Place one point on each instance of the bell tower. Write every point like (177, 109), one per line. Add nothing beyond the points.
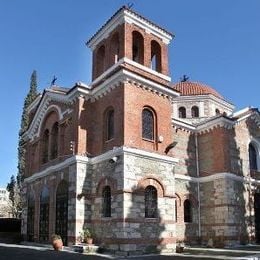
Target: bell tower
(131, 53)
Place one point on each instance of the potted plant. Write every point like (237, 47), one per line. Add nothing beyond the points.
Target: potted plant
(86, 236)
(57, 242)
(179, 246)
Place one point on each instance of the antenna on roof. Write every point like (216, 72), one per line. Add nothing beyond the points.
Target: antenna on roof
(184, 78)
(130, 5)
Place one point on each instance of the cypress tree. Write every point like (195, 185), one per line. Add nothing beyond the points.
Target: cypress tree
(31, 96)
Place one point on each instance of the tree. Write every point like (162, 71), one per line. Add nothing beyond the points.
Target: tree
(14, 205)
(31, 96)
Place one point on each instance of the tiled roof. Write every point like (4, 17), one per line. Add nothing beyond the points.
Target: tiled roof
(124, 7)
(188, 88)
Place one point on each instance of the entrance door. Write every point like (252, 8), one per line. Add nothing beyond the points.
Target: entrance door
(44, 216)
(257, 217)
(30, 223)
(61, 227)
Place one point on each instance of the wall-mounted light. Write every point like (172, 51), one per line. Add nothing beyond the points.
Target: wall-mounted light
(160, 138)
(113, 159)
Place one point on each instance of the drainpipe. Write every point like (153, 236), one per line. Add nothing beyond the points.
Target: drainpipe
(198, 175)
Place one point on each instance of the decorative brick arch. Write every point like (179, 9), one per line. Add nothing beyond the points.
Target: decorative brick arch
(106, 181)
(178, 199)
(190, 197)
(52, 108)
(143, 183)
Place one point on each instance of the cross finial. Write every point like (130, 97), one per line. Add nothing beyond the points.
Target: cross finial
(184, 78)
(130, 5)
(53, 81)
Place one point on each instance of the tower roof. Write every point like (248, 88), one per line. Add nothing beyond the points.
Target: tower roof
(125, 14)
(188, 88)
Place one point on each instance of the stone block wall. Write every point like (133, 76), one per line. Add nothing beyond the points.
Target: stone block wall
(189, 232)
(225, 217)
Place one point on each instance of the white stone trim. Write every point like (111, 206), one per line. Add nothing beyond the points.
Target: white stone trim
(211, 123)
(217, 176)
(206, 97)
(57, 167)
(182, 124)
(201, 109)
(150, 28)
(117, 151)
(106, 72)
(131, 18)
(34, 103)
(146, 154)
(55, 107)
(142, 67)
(124, 75)
(156, 86)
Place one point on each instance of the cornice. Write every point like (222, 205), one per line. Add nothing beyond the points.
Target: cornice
(130, 17)
(205, 97)
(217, 176)
(117, 151)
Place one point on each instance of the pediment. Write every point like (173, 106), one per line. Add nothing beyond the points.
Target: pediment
(49, 102)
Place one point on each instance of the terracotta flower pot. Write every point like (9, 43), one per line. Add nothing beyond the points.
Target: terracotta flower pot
(57, 244)
(89, 241)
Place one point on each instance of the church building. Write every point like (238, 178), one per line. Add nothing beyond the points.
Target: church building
(141, 161)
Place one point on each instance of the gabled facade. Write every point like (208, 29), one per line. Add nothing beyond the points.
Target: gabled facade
(120, 155)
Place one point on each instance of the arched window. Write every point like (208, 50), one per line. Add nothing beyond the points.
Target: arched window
(106, 202)
(61, 222)
(100, 60)
(194, 111)
(44, 215)
(156, 56)
(182, 112)
(30, 217)
(138, 47)
(252, 157)
(176, 211)
(45, 146)
(217, 112)
(109, 124)
(115, 48)
(187, 211)
(150, 199)
(54, 141)
(148, 124)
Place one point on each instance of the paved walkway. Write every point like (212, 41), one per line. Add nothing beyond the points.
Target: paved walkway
(40, 252)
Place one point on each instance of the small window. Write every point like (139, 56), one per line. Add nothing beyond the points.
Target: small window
(114, 49)
(138, 47)
(54, 141)
(252, 157)
(187, 211)
(100, 60)
(150, 202)
(45, 146)
(155, 56)
(194, 112)
(106, 202)
(182, 112)
(109, 124)
(147, 124)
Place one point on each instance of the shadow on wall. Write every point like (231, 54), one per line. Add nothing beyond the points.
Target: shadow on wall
(252, 188)
(126, 222)
(223, 201)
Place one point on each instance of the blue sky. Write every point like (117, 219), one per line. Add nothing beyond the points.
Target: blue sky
(216, 42)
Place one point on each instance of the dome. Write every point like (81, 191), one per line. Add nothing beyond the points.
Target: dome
(187, 88)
